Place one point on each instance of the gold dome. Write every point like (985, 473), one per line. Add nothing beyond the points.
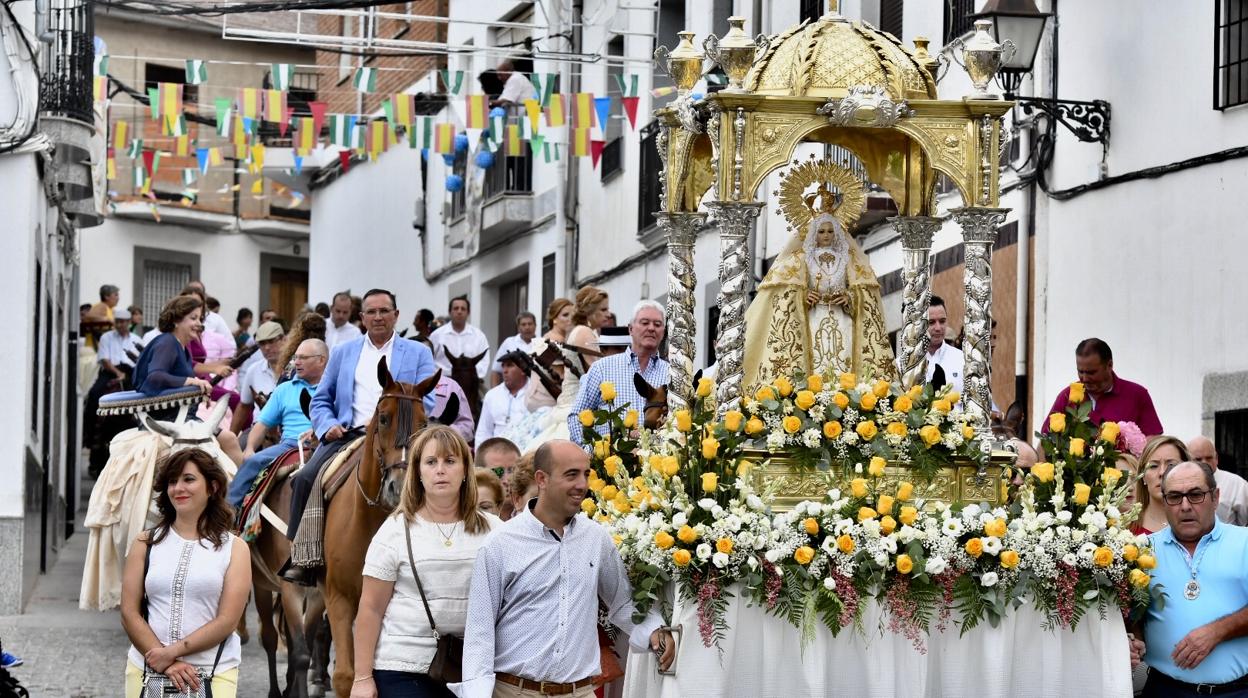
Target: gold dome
(827, 57)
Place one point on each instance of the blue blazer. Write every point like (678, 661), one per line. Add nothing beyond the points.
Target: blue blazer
(410, 362)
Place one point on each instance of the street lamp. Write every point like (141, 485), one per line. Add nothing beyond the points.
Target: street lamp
(1021, 24)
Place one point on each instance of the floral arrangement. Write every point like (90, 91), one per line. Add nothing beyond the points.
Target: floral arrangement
(683, 513)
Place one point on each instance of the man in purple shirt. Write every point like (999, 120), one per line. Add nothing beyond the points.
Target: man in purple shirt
(1113, 399)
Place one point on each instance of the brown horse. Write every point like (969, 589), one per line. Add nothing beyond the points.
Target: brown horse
(464, 372)
(353, 516)
(656, 399)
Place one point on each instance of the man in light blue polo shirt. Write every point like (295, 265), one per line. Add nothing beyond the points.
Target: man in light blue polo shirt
(1198, 643)
(283, 409)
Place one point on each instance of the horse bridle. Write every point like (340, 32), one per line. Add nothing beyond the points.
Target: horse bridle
(406, 424)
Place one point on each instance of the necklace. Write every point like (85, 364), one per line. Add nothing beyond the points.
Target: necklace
(446, 537)
(1191, 591)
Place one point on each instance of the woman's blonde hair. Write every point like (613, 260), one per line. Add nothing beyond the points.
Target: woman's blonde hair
(448, 442)
(486, 478)
(1150, 447)
(588, 300)
(552, 311)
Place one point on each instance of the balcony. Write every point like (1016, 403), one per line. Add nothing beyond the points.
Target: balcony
(508, 202)
(66, 112)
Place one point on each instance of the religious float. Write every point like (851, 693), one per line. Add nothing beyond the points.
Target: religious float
(816, 521)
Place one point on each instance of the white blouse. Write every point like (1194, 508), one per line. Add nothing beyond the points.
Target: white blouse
(184, 583)
(406, 641)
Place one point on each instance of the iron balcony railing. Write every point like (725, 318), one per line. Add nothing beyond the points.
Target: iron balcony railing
(67, 88)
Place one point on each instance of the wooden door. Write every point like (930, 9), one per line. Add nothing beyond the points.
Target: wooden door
(288, 292)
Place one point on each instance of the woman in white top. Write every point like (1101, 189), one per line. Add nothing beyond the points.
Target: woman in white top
(197, 580)
(394, 643)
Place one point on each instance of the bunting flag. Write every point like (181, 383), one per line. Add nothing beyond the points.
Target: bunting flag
(305, 135)
(285, 122)
(318, 115)
(136, 149)
(256, 156)
(498, 126)
(421, 137)
(110, 170)
(153, 102)
(151, 161)
(580, 142)
(628, 89)
(119, 134)
(549, 149)
(188, 176)
(583, 110)
(344, 158)
(182, 146)
(444, 139)
(662, 91)
(99, 65)
(544, 87)
(174, 126)
(225, 108)
(556, 111)
(630, 109)
(536, 143)
(602, 105)
(99, 88)
(196, 71)
(274, 106)
(240, 133)
(214, 157)
(533, 109)
(365, 79)
(458, 83)
(201, 155)
(280, 74)
(298, 163)
(140, 177)
(595, 151)
(475, 110)
(257, 187)
(249, 126)
(341, 129)
(377, 138)
(404, 107)
(242, 153)
(515, 146)
(249, 102)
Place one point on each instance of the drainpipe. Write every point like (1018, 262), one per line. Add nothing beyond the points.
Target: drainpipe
(43, 21)
(1022, 290)
(571, 192)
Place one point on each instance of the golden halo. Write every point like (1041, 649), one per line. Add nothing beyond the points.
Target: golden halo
(795, 182)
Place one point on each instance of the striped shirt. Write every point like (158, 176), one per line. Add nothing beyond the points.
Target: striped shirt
(619, 370)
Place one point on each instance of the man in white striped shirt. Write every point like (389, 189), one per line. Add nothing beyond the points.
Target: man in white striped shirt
(536, 586)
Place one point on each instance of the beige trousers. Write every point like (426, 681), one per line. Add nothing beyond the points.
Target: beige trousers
(506, 690)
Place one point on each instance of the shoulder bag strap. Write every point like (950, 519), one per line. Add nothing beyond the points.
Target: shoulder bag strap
(147, 563)
(407, 532)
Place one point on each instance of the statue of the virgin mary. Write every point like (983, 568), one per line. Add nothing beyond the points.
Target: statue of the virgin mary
(818, 310)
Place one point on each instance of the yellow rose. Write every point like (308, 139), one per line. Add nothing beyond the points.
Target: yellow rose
(639, 482)
(915, 391)
(792, 424)
(732, 420)
(814, 383)
(681, 557)
(804, 555)
(1043, 472)
(765, 393)
(1082, 492)
(841, 400)
(671, 465)
(804, 400)
(1139, 579)
(684, 420)
(1146, 562)
(664, 540)
(887, 525)
(903, 403)
(617, 540)
(847, 381)
(744, 467)
(905, 490)
(1057, 422)
(602, 448)
(930, 435)
(1130, 552)
(1077, 448)
(586, 417)
(630, 419)
(908, 515)
(831, 430)
(724, 545)
(612, 465)
(867, 430)
(904, 564)
(867, 401)
(953, 396)
(996, 527)
(866, 513)
(595, 483)
(1103, 557)
(880, 388)
(897, 429)
(1109, 432)
(968, 432)
(754, 426)
(608, 391)
(942, 406)
(1009, 559)
(845, 544)
(885, 504)
(710, 447)
(858, 487)
(810, 525)
(876, 467)
(974, 547)
(608, 493)
(705, 386)
(710, 482)
(588, 506)
(1110, 476)
(1076, 393)
(621, 503)
(687, 535)
(784, 386)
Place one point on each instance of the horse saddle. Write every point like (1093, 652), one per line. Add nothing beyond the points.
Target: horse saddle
(269, 478)
(341, 467)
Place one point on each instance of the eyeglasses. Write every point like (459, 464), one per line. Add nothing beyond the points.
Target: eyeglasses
(1174, 499)
(305, 357)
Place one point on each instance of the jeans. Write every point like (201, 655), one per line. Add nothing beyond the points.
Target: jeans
(404, 684)
(247, 472)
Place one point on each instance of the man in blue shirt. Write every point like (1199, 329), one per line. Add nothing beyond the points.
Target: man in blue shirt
(646, 331)
(1198, 643)
(282, 410)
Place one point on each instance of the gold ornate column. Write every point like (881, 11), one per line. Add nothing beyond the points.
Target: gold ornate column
(682, 233)
(979, 233)
(735, 220)
(916, 273)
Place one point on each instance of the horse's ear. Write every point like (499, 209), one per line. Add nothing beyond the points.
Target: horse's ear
(449, 413)
(426, 386)
(452, 357)
(697, 377)
(644, 389)
(384, 379)
(305, 402)
(477, 359)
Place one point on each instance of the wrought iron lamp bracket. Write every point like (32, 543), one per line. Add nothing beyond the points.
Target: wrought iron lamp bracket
(1089, 121)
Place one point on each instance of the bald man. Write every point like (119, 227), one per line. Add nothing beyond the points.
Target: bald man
(1233, 506)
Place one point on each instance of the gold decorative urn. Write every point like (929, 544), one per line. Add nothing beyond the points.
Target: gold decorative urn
(683, 64)
(735, 53)
(982, 55)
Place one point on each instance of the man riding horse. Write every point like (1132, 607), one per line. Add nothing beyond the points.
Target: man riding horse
(346, 398)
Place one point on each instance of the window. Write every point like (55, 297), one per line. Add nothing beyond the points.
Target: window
(651, 170)
(891, 12)
(812, 10)
(612, 159)
(548, 283)
(1230, 54)
(1230, 437)
(513, 299)
(516, 37)
(958, 19)
(458, 205)
(159, 275)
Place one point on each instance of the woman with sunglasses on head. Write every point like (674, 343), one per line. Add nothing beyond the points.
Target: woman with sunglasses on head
(1160, 453)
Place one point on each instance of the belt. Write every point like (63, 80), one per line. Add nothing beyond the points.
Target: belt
(1201, 689)
(546, 688)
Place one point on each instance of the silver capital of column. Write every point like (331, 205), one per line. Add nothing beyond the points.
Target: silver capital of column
(682, 232)
(979, 233)
(916, 245)
(735, 220)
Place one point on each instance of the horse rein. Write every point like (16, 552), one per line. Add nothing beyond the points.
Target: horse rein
(399, 441)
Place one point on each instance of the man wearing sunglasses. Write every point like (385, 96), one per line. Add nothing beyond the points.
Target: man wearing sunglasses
(1197, 641)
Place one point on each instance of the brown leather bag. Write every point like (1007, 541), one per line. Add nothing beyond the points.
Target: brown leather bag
(448, 660)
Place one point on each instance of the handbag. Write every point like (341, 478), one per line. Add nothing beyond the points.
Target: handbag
(156, 684)
(447, 665)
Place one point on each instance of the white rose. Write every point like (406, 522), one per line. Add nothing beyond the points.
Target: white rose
(707, 503)
(889, 544)
(772, 555)
(858, 468)
(935, 565)
(881, 559)
(704, 551)
(1078, 535)
(834, 494)
(679, 519)
(906, 534)
(1070, 559)
(1063, 516)
(720, 560)
(829, 583)
(871, 527)
(755, 502)
(988, 579)
(753, 562)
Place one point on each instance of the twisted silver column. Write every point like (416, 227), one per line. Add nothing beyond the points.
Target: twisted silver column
(979, 232)
(916, 273)
(682, 232)
(735, 220)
